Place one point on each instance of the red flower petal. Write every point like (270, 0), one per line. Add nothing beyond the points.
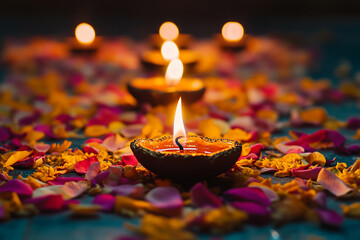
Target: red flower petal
(129, 160)
(84, 165)
(47, 203)
(63, 180)
(332, 183)
(106, 201)
(165, 198)
(248, 194)
(17, 186)
(202, 197)
(306, 174)
(256, 148)
(93, 171)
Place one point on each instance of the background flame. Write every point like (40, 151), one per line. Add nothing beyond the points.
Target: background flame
(179, 128)
(174, 72)
(85, 33)
(232, 31)
(168, 31)
(169, 50)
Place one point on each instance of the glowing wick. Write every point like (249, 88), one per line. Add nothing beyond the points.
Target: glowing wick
(168, 31)
(169, 50)
(174, 72)
(85, 33)
(232, 31)
(179, 128)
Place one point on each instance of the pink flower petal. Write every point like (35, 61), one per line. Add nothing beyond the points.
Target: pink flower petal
(332, 183)
(256, 148)
(165, 198)
(96, 140)
(307, 173)
(106, 201)
(130, 190)
(258, 214)
(17, 186)
(129, 160)
(269, 193)
(131, 131)
(93, 171)
(250, 156)
(63, 180)
(68, 191)
(114, 177)
(42, 147)
(330, 217)
(47, 203)
(202, 197)
(84, 165)
(248, 194)
(100, 178)
(114, 143)
(320, 199)
(286, 149)
(89, 150)
(268, 170)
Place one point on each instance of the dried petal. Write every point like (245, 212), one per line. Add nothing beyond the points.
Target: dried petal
(135, 191)
(63, 180)
(129, 160)
(114, 142)
(245, 194)
(332, 183)
(307, 174)
(93, 171)
(84, 165)
(202, 197)
(165, 198)
(68, 191)
(47, 203)
(106, 201)
(330, 217)
(17, 186)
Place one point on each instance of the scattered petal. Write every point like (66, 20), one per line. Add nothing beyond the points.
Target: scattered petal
(307, 173)
(17, 186)
(106, 201)
(94, 170)
(332, 183)
(84, 165)
(202, 197)
(165, 198)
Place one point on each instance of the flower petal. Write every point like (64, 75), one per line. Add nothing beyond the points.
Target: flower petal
(332, 183)
(129, 190)
(17, 186)
(165, 198)
(258, 214)
(63, 180)
(330, 217)
(202, 197)
(114, 142)
(47, 203)
(129, 160)
(93, 171)
(84, 165)
(307, 174)
(106, 201)
(286, 149)
(42, 147)
(68, 191)
(269, 193)
(16, 156)
(248, 194)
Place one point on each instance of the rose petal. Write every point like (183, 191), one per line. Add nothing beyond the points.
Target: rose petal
(247, 194)
(202, 197)
(129, 190)
(106, 201)
(269, 193)
(114, 177)
(4, 134)
(114, 143)
(268, 170)
(17, 156)
(256, 148)
(93, 171)
(17, 186)
(42, 147)
(131, 131)
(330, 217)
(129, 160)
(320, 199)
(63, 180)
(100, 178)
(286, 149)
(165, 198)
(47, 203)
(258, 214)
(84, 165)
(3, 178)
(353, 123)
(68, 191)
(332, 183)
(307, 174)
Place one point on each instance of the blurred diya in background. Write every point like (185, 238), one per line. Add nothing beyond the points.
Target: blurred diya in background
(156, 60)
(232, 37)
(168, 31)
(186, 158)
(85, 40)
(168, 89)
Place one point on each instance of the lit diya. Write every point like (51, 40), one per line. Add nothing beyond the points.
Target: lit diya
(168, 31)
(85, 40)
(186, 158)
(161, 91)
(232, 37)
(155, 60)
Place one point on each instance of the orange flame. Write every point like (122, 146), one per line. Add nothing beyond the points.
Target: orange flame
(85, 33)
(179, 128)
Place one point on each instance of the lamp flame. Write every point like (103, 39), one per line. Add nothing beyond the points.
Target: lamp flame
(179, 128)
(169, 50)
(85, 33)
(232, 31)
(174, 72)
(168, 31)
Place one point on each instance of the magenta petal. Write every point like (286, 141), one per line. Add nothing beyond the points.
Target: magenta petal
(258, 214)
(335, 137)
(84, 165)
(3, 178)
(332, 183)
(17, 186)
(99, 179)
(320, 199)
(89, 150)
(93, 171)
(202, 197)
(165, 198)
(4, 134)
(129, 160)
(250, 156)
(2, 213)
(247, 194)
(135, 191)
(106, 201)
(269, 193)
(306, 174)
(63, 180)
(256, 148)
(353, 123)
(114, 177)
(47, 203)
(330, 217)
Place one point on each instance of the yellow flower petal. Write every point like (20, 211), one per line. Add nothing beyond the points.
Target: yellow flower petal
(17, 156)
(96, 130)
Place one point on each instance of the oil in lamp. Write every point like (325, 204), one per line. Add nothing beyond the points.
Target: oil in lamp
(168, 31)
(168, 89)
(232, 37)
(155, 60)
(186, 158)
(85, 40)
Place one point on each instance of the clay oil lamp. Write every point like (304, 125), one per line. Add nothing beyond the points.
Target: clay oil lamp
(85, 40)
(168, 31)
(155, 60)
(185, 158)
(164, 90)
(232, 37)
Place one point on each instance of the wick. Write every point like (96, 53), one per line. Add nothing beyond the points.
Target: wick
(177, 143)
